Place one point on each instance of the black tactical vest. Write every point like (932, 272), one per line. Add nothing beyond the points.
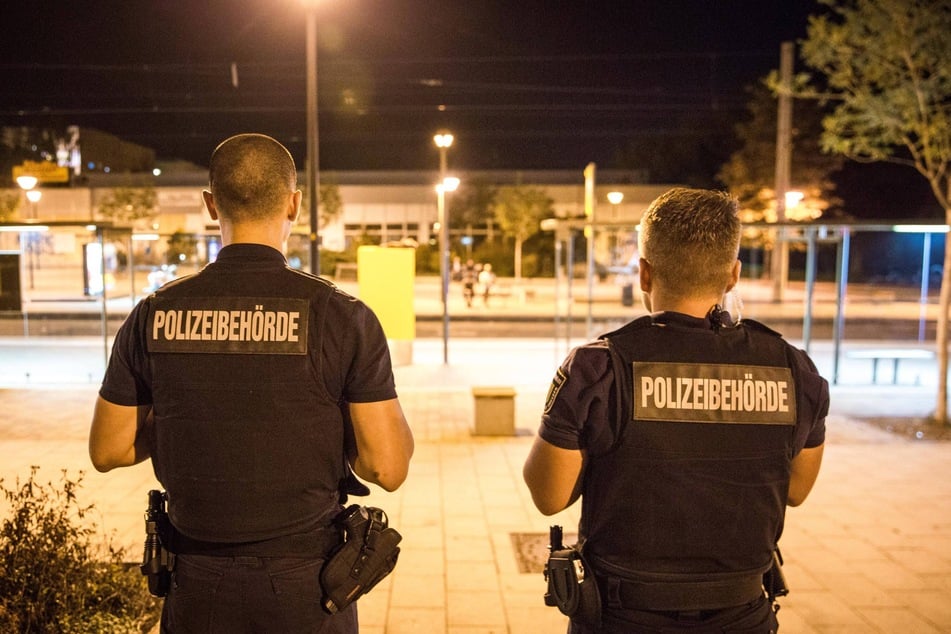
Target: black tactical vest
(249, 443)
(694, 488)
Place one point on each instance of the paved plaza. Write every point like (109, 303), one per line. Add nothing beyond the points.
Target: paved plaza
(870, 550)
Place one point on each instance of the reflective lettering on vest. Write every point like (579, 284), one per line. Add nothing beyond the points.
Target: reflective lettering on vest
(229, 325)
(713, 393)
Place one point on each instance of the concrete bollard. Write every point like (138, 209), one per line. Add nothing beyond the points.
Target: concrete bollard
(494, 411)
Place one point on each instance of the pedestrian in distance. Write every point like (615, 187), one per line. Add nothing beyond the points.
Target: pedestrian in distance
(470, 275)
(257, 391)
(686, 433)
(486, 281)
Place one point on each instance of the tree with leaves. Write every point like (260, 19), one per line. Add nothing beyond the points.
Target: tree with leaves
(9, 203)
(472, 204)
(329, 202)
(750, 174)
(126, 205)
(519, 209)
(883, 64)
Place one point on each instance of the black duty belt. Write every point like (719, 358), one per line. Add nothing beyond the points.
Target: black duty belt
(709, 594)
(308, 545)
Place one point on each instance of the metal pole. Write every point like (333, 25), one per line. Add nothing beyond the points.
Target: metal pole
(810, 286)
(101, 235)
(589, 210)
(444, 267)
(130, 263)
(313, 160)
(783, 158)
(925, 281)
(842, 283)
(569, 269)
(443, 251)
(557, 293)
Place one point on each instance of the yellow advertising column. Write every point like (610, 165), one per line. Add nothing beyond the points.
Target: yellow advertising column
(386, 278)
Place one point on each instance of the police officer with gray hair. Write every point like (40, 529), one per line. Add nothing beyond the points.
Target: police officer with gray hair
(686, 433)
(257, 391)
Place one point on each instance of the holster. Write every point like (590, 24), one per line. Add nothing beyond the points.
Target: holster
(368, 554)
(774, 581)
(572, 587)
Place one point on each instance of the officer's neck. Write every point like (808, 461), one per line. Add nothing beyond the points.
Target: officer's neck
(693, 306)
(267, 233)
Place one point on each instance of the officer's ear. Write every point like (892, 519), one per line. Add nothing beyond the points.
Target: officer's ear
(294, 212)
(734, 275)
(644, 274)
(210, 204)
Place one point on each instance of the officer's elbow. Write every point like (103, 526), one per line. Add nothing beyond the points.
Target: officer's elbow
(547, 508)
(389, 475)
(102, 463)
(795, 499)
(546, 502)
(387, 480)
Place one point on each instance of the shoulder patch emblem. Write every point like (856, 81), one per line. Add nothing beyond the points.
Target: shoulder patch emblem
(556, 383)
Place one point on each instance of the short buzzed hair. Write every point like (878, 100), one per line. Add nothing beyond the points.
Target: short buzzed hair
(691, 238)
(250, 177)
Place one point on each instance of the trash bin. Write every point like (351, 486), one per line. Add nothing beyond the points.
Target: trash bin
(494, 411)
(627, 295)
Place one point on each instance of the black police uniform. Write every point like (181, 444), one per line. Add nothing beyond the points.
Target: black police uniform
(249, 365)
(689, 427)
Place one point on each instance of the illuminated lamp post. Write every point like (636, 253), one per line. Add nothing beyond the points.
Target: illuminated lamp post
(443, 141)
(28, 183)
(313, 159)
(448, 184)
(615, 199)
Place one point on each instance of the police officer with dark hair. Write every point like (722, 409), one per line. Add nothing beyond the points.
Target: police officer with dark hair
(255, 389)
(686, 433)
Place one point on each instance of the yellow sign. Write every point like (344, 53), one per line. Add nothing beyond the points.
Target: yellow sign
(44, 171)
(386, 277)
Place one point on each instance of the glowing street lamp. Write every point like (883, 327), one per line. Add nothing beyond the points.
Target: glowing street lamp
(27, 183)
(443, 141)
(615, 199)
(448, 184)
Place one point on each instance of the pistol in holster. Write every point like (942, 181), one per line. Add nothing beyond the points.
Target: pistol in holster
(157, 561)
(774, 581)
(368, 554)
(572, 587)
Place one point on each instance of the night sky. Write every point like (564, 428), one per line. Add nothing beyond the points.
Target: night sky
(531, 84)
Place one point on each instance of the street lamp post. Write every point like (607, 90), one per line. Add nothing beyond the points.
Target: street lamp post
(615, 199)
(443, 141)
(313, 161)
(28, 183)
(448, 184)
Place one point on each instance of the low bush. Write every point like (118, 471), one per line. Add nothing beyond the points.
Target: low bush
(54, 578)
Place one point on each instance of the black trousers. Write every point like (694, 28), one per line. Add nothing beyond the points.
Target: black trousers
(250, 595)
(756, 617)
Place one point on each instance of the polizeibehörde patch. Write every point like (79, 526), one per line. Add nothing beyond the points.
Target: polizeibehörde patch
(230, 325)
(713, 393)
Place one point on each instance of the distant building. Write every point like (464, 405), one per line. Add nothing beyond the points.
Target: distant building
(101, 152)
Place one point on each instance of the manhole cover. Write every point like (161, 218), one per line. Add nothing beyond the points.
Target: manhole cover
(531, 550)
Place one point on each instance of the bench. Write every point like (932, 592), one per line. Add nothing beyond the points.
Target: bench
(889, 354)
(494, 411)
(345, 271)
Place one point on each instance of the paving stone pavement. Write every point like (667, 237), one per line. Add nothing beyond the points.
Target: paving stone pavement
(869, 551)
